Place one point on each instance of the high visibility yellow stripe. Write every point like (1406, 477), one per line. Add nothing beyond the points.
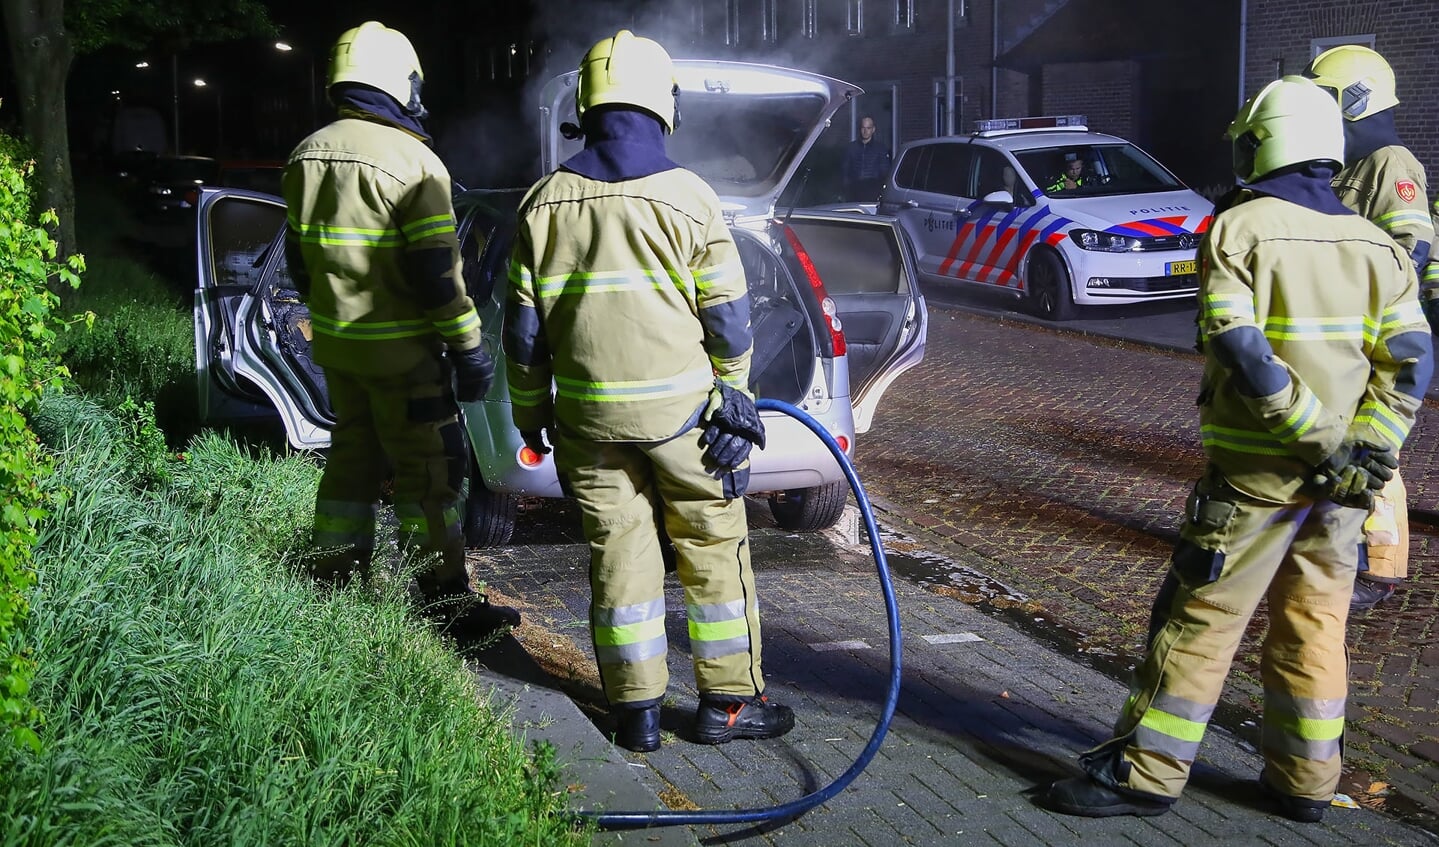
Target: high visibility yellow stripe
(1315, 329)
(460, 324)
(368, 331)
(613, 636)
(706, 278)
(428, 227)
(347, 235)
(1402, 217)
(1305, 415)
(528, 396)
(1431, 271)
(1241, 441)
(1406, 313)
(1218, 306)
(620, 391)
(520, 275)
(718, 630)
(1383, 418)
(608, 282)
(1172, 725)
(1309, 729)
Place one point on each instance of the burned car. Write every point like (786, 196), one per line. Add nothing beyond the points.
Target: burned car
(836, 310)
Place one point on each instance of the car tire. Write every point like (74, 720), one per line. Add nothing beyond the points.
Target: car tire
(809, 509)
(489, 517)
(1049, 294)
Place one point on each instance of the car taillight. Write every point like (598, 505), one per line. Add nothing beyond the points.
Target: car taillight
(529, 458)
(192, 196)
(826, 304)
(843, 443)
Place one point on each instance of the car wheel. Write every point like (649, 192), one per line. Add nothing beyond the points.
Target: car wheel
(809, 509)
(489, 517)
(1049, 294)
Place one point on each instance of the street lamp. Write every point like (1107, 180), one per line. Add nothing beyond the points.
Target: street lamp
(219, 115)
(287, 47)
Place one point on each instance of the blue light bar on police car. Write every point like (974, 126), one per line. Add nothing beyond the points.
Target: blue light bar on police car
(1046, 122)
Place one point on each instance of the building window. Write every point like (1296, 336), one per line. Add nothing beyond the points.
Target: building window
(854, 17)
(769, 21)
(809, 19)
(1319, 45)
(731, 22)
(904, 15)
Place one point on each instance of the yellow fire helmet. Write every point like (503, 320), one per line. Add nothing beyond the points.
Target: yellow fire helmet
(629, 70)
(1357, 77)
(382, 58)
(1291, 120)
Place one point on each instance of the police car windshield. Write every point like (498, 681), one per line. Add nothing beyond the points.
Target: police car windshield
(1095, 170)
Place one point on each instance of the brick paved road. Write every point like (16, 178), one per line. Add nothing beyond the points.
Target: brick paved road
(1064, 460)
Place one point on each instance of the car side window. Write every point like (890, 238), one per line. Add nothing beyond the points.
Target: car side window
(949, 170)
(907, 174)
(995, 173)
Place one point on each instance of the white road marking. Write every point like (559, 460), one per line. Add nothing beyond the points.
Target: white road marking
(951, 638)
(825, 646)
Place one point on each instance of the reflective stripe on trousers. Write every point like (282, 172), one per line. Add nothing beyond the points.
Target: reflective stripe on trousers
(616, 485)
(1302, 558)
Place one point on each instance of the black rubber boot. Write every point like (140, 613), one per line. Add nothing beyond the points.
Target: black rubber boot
(1300, 809)
(1082, 796)
(639, 729)
(1369, 593)
(721, 718)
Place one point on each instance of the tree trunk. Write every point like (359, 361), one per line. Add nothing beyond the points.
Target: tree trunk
(41, 54)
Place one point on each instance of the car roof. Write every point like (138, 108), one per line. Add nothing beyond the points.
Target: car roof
(1030, 139)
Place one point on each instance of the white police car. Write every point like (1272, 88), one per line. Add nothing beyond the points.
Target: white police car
(1047, 210)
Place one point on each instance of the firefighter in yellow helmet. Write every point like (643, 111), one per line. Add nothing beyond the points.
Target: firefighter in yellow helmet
(371, 245)
(1317, 356)
(627, 294)
(1385, 183)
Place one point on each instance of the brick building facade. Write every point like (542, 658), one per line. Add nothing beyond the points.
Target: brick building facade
(1281, 36)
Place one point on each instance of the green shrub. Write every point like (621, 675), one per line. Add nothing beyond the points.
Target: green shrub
(203, 692)
(28, 369)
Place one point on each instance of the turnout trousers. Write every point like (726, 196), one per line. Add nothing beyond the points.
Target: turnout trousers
(408, 421)
(621, 488)
(1233, 552)
(1386, 533)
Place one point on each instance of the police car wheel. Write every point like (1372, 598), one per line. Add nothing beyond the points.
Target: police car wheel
(489, 517)
(809, 509)
(1049, 294)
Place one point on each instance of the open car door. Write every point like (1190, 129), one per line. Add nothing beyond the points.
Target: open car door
(252, 333)
(868, 270)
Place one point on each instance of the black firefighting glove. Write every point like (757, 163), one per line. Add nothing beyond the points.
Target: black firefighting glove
(474, 372)
(1431, 313)
(732, 428)
(535, 440)
(1354, 472)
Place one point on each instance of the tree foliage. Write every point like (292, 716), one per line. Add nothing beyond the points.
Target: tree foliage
(171, 24)
(27, 369)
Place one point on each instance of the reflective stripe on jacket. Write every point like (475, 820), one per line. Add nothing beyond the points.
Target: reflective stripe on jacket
(369, 206)
(1388, 187)
(630, 296)
(1312, 335)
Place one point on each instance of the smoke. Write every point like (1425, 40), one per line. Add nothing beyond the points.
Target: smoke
(496, 145)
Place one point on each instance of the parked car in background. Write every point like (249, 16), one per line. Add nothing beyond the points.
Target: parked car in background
(253, 175)
(172, 186)
(993, 209)
(836, 310)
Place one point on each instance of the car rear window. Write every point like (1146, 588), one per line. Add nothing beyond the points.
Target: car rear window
(853, 258)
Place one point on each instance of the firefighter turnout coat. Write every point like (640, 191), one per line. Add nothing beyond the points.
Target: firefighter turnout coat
(629, 297)
(1313, 337)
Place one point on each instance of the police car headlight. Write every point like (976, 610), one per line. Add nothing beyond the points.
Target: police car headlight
(1104, 242)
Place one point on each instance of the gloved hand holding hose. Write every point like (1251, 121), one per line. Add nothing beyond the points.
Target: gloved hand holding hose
(732, 428)
(1354, 472)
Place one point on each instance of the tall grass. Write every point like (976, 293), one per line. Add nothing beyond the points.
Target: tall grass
(199, 692)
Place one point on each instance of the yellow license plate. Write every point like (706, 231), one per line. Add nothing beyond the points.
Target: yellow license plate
(1188, 266)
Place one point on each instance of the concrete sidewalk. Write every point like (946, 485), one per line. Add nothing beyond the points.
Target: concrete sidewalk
(987, 715)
